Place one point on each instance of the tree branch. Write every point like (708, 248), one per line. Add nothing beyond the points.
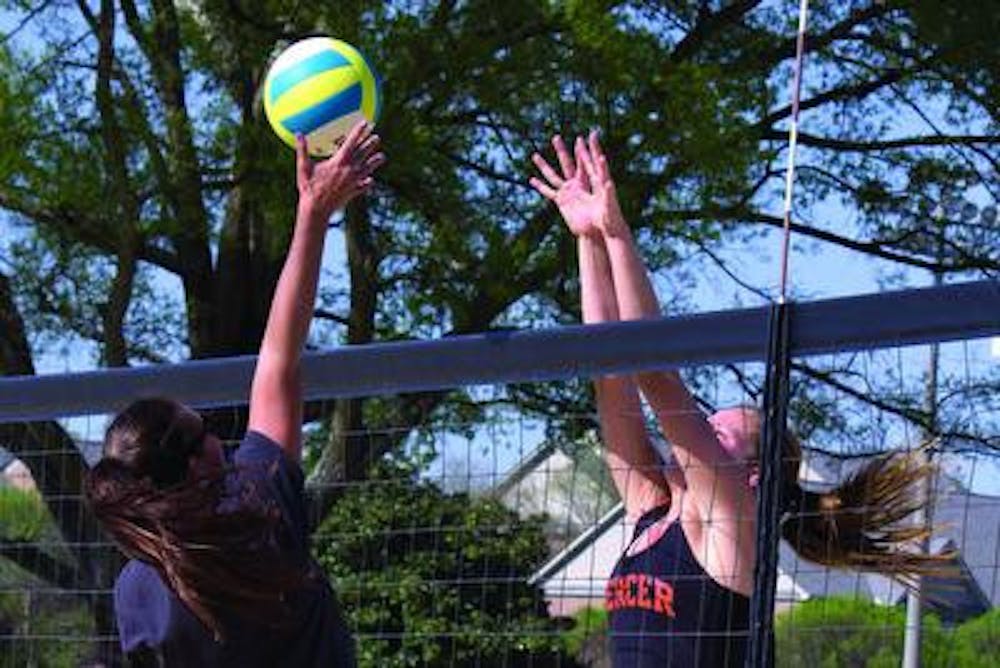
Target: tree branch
(854, 91)
(917, 417)
(785, 48)
(708, 25)
(324, 314)
(868, 247)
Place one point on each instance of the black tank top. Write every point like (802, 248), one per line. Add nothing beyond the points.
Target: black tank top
(665, 610)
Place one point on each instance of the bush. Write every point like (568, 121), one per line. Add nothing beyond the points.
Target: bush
(837, 632)
(43, 631)
(435, 579)
(36, 628)
(841, 631)
(587, 640)
(588, 623)
(23, 515)
(977, 642)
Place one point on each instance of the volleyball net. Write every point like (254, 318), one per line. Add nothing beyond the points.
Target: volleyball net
(462, 506)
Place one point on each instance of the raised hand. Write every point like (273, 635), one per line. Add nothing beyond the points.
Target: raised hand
(570, 191)
(585, 192)
(328, 185)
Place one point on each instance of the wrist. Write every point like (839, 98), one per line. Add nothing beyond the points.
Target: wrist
(309, 213)
(616, 233)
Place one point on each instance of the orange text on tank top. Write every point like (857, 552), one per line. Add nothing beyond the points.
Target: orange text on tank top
(638, 590)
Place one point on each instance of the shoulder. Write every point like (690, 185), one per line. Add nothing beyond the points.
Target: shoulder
(257, 447)
(262, 468)
(257, 451)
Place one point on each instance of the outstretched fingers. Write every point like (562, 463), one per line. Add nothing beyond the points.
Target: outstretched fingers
(363, 173)
(565, 160)
(361, 186)
(361, 156)
(597, 155)
(365, 147)
(543, 190)
(546, 169)
(354, 139)
(364, 158)
(583, 157)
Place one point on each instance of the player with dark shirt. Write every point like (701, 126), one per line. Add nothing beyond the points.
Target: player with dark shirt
(220, 572)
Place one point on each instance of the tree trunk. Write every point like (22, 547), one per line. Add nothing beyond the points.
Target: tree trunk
(248, 266)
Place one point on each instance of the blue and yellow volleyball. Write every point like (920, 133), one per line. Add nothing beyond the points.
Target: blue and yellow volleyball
(320, 87)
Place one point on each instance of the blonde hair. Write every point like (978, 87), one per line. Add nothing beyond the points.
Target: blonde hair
(866, 521)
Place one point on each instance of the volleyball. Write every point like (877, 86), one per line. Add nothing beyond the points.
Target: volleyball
(320, 87)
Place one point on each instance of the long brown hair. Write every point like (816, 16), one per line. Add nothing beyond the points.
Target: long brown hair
(216, 557)
(866, 522)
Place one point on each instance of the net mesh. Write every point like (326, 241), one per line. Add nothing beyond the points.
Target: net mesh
(485, 533)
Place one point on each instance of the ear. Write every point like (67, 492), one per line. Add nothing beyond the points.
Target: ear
(753, 476)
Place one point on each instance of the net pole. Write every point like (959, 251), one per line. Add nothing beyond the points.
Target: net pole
(770, 487)
(760, 645)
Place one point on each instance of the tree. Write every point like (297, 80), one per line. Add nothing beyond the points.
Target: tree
(136, 150)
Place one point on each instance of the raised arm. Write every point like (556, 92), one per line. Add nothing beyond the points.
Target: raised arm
(324, 187)
(634, 465)
(707, 465)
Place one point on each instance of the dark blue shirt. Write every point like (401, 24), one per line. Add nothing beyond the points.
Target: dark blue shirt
(154, 623)
(665, 610)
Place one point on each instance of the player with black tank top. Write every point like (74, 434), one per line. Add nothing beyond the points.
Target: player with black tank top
(666, 606)
(679, 594)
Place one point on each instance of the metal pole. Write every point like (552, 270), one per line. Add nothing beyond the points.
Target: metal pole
(914, 597)
(760, 641)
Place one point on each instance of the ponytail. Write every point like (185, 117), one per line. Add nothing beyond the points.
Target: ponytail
(865, 523)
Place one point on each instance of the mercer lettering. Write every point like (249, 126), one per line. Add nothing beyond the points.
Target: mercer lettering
(639, 590)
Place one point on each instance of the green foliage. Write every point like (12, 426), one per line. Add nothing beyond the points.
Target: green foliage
(37, 628)
(963, 32)
(589, 625)
(435, 579)
(840, 631)
(977, 642)
(23, 515)
(43, 631)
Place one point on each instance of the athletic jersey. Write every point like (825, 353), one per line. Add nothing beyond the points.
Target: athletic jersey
(156, 628)
(665, 610)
